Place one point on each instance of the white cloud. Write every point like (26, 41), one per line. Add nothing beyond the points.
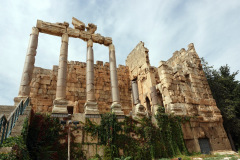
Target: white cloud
(164, 26)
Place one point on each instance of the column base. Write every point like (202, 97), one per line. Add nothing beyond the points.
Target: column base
(140, 111)
(60, 106)
(117, 109)
(91, 108)
(17, 100)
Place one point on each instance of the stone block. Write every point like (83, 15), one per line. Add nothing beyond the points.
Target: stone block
(107, 41)
(51, 28)
(192, 145)
(100, 150)
(187, 133)
(73, 32)
(97, 38)
(84, 35)
(44, 102)
(78, 24)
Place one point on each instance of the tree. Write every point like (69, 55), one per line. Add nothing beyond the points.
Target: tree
(226, 91)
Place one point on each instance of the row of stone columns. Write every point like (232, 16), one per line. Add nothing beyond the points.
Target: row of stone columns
(60, 103)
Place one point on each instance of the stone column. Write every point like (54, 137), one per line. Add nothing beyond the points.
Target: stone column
(24, 90)
(135, 92)
(60, 103)
(116, 106)
(91, 107)
(154, 100)
(139, 109)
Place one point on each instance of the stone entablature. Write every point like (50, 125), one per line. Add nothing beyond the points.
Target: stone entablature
(87, 34)
(58, 29)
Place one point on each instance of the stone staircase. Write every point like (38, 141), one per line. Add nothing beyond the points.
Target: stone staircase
(17, 129)
(6, 109)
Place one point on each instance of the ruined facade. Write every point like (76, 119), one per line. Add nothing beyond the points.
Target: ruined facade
(180, 85)
(136, 89)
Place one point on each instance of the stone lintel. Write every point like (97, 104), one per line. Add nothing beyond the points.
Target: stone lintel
(51, 28)
(58, 29)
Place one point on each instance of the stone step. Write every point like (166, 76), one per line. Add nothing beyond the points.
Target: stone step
(5, 109)
(15, 134)
(17, 129)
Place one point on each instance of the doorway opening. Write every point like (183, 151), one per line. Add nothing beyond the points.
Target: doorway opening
(204, 145)
(148, 105)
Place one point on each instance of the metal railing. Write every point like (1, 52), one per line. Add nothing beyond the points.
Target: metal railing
(7, 123)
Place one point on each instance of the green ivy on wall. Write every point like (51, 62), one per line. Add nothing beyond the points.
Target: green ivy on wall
(140, 139)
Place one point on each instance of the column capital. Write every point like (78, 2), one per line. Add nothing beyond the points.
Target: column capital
(111, 47)
(90, 43)
(65, 37)
(35, 30)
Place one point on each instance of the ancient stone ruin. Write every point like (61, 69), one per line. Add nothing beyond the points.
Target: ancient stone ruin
(137, 89)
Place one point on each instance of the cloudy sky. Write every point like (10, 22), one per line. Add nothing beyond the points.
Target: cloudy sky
(164, 25)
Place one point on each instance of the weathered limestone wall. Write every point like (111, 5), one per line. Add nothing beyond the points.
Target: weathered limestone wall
(185, 91)
(140, 70)
(182, 89)
(43, 87)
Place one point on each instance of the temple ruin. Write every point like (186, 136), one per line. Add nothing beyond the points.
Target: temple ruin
(137, 89)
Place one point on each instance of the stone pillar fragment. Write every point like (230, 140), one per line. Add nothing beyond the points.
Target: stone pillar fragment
(135, 92)
(139, 109)
(154, 99)
(116, 106)
(91, 107)
(24, 90)
(60, 103)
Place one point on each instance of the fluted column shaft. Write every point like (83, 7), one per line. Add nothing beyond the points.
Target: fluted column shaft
(116, 106)
(62, 69)
(60, 103)
(113, 75)
(91, 107)
(90, 73)
(24, 90)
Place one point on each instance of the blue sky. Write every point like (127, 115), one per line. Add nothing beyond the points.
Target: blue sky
(164, 25)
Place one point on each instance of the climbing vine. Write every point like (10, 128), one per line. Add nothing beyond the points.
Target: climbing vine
(140, 139)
